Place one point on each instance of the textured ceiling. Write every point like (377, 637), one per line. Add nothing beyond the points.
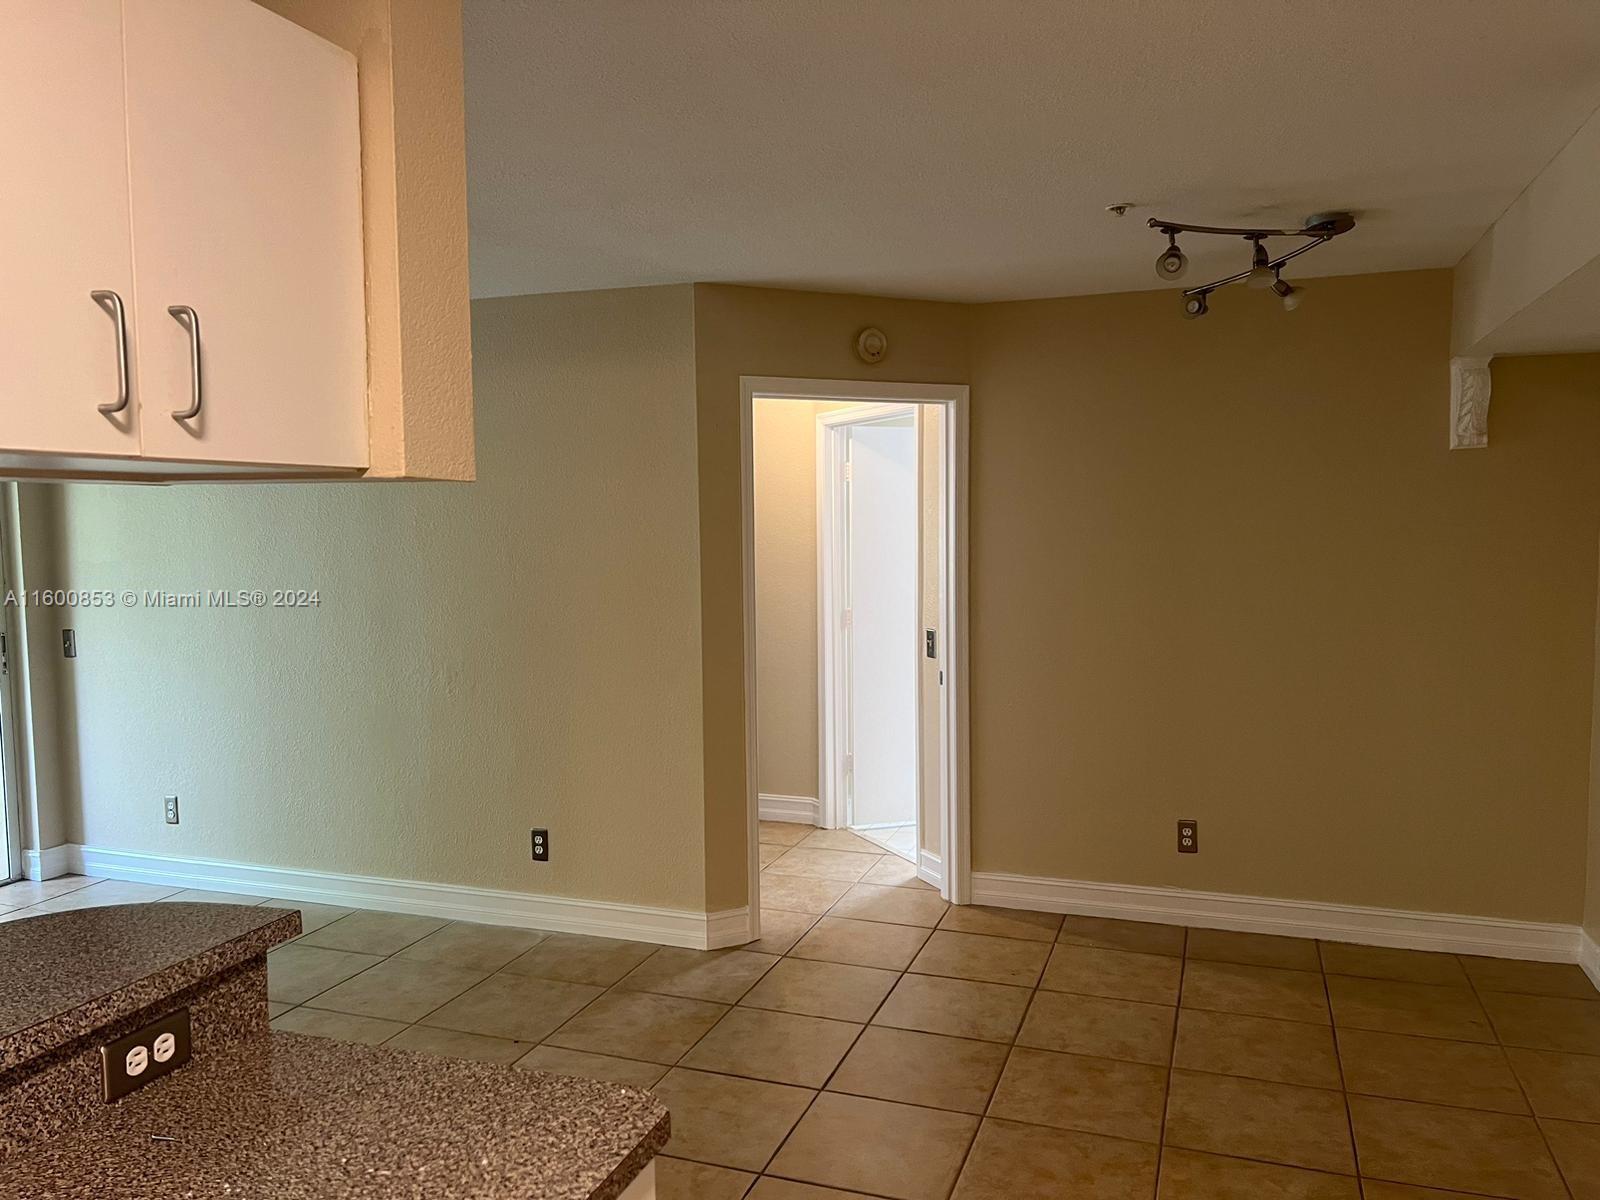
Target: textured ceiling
(966, 149)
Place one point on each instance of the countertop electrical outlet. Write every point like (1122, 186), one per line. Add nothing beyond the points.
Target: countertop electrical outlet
(158, 1049)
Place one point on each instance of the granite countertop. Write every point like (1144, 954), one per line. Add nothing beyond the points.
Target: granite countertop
(66, 974)
(303, 1118)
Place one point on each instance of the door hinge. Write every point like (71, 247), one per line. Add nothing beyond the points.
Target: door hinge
(847, 466)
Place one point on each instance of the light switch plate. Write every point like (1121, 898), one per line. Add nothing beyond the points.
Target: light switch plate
(158, 1049)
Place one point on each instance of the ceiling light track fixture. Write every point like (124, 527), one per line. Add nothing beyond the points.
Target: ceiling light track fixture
(1265, 270)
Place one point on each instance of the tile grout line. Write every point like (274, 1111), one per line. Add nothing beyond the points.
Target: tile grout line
(1172, 1064)
(1338, 1064)
(1533, 1114)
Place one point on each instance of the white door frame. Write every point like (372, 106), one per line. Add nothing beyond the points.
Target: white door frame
(955, 816)
(833, 702)
(11, 836)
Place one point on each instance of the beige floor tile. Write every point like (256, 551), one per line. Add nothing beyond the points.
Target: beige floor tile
(1373, 1189)
(779, 1046)
(1257, 1048)
(822, 989)
(768, 853)
(797, 893)
(276, 1009)
(1104, 1028)
(1565, 1086)
(876, 1146)
(297, 972)
(1383, 962)
(1073, 1091)
(980, 956)
(780, 931)
(1253, 949)
(784, 833)
(1002, 922)
(477, 947)
(201, 896)
(896, 905)
(398, 989)
(862, 943)
(557, 1061)
(1104, 933)
(1190, 1175)
(1422, 1009)
(312, 916)
(1118, 974)
(1019, 1162)
(1255, 991)
(679, 1179)
(1250, 1118)
(517, 1007)
(1429, 1069)
(1533, 978)
(921, 1068)
(373, 932)
(452, 1043)
(1545, 1022)
(823, 864)
(342, 1027)
(990, 1012)
(99, 893)
(25, 892)
(893, 871)
(577, 958)
(840, 839)
(721, 975)
(1577, 1150)
(728, 1121)
(639, 1025)
(768, 1188)
(1456, 1148)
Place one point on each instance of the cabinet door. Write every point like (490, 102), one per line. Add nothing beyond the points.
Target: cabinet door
(244, 163)
(63, 228)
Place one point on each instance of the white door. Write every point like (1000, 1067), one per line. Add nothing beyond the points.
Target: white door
(881, 521)
(63, 228)
(245, 166)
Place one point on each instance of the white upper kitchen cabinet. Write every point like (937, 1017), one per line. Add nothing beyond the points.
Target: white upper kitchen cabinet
(65, 355)
(244, 166)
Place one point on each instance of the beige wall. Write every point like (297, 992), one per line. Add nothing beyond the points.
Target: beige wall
(475, 666)
(1227, 569)
(784, 445)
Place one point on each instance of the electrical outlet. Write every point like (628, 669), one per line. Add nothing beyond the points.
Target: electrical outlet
(1188, 836)
(541, 845)
(158, 1049)
(171, 810)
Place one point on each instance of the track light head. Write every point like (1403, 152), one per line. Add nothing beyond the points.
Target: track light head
(1196, 306)
(1173, 263)
(1261, 272)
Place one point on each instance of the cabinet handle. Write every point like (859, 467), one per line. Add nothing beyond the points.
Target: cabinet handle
(121, 402)
(190, 320)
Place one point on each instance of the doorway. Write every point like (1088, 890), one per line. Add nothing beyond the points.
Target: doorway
(869, 545)
(856, 708)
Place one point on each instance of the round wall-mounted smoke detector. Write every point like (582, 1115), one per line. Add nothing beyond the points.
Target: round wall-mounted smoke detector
(872, 344)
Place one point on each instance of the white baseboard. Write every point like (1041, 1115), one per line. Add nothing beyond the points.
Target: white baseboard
(1589, 957)
(49, 863)
(1294, 918)
(930, 868)
(664, 926)
(801, 810)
